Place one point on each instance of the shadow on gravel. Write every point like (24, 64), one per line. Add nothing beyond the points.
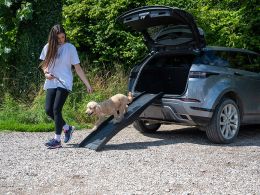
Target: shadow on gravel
(248, 136)
(71, 146)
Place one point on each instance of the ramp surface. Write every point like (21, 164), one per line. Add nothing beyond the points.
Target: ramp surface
(98, 138)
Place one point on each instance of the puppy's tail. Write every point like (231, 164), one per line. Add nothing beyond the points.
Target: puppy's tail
(130, 97)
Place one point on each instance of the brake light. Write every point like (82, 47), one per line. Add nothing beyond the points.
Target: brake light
(201, 74)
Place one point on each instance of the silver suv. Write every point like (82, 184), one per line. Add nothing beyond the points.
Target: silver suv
(214, 88)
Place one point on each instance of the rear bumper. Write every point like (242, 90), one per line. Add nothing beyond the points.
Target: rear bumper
(177, 111)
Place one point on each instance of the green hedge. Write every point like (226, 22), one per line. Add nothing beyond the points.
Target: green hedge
(91, 26)
(230, 23)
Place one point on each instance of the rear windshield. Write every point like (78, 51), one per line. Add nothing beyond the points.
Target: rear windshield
(170, 34)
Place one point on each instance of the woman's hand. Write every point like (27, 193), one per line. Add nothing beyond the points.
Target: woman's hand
(48, 76)
(83, 77)
(89, 89)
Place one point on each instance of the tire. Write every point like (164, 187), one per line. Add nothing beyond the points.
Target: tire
(146, 126)
(224, 125)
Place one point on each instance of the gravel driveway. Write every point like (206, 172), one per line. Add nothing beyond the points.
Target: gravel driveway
(176, 160)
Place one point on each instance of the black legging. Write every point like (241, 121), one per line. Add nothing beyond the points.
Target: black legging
(55, 99)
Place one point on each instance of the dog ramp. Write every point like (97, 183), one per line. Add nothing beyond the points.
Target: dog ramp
(108, 129)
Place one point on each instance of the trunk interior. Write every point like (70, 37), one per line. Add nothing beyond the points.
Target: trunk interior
(165, 73)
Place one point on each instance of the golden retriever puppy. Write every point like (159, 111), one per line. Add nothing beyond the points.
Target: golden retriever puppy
(115, 105)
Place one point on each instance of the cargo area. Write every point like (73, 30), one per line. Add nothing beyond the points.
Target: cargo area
(165, 73)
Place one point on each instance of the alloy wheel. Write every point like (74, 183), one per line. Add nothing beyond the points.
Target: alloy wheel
(229, 121)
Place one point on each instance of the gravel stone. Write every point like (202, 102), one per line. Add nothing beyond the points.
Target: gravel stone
(175, 160)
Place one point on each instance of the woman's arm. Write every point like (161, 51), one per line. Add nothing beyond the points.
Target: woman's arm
(83, 77)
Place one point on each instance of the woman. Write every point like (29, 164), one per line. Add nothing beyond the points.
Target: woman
(58, 58)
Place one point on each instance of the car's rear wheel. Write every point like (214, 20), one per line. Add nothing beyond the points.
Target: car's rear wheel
(224, 125)
(145, 126)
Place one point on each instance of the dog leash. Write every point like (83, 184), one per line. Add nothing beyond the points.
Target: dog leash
(61, 82)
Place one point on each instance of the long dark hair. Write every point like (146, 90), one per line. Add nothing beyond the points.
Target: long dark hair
(52, 45)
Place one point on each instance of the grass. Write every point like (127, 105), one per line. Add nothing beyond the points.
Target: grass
(16, 126)
(40, 127)
(16, 115)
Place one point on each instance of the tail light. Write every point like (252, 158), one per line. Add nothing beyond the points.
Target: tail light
(201, 74)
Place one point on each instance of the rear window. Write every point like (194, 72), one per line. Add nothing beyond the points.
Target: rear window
(239, 60)
(255, 62)
(170, 34)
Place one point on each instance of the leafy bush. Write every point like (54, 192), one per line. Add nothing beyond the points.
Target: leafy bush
(230, 23)
(91, 26)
